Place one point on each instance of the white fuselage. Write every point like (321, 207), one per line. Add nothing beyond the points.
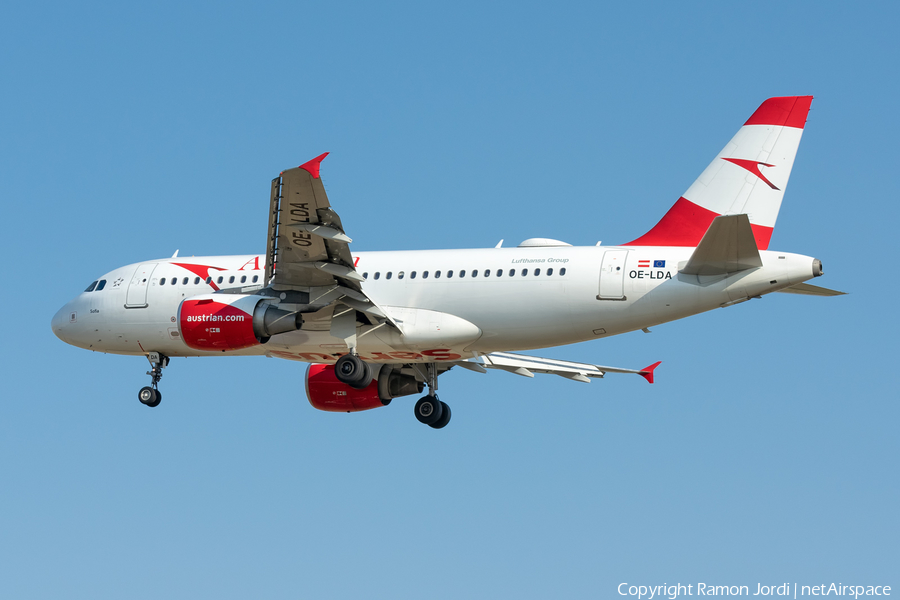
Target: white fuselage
(507, 299)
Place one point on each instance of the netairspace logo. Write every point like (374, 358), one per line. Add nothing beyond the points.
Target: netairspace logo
(649, 592)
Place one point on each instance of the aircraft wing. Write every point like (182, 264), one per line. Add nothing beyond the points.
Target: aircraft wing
(527, 366)
(307, 246)
(308, 251)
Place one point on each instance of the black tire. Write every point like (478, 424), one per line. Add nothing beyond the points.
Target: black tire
(353, 371)
(429, 410)
(149, 396)
(445, 417)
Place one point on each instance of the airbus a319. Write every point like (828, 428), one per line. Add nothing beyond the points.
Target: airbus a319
(375, 326)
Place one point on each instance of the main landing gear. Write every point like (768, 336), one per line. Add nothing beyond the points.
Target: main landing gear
(150, 395)
(353, 371)
(429, 410)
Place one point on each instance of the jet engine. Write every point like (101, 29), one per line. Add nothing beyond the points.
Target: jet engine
(325, 392)
(232, 321)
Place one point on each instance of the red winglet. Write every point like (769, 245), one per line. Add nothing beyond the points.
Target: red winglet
(647, 372)
(312, 167)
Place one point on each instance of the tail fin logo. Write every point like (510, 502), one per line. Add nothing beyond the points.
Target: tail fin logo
(753, 167)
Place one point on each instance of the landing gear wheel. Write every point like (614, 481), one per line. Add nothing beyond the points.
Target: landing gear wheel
(429, 410)
(353, 371)
(445, 417)
(149, 396)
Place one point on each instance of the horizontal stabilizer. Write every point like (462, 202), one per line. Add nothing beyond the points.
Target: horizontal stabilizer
(810, 290)
(728, 246)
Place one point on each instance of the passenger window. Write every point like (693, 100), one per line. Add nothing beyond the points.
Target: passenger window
(231, 279)
(184, 281)
(412, 275)
(537, 272)
(562, 271)
(462, 273)
(474, 272)
(487, 272)
(196, 281)
(377, 275)
(101, 285)
(424, 274)
(512, 272)
(524, 272)
(388, 276)
(365, 276)
(91, 287)
(219, 280)
(549, 271)
(255, 278)
(449, 274)
(208, 280)
(243, 279)
(400, 275)
(499, 272)
(437, 274)
(162, 281)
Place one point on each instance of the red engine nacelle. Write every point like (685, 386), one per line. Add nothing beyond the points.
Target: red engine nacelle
(231, 321)
(325, 392)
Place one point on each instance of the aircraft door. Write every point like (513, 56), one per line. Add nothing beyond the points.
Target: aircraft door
(612, 275)
(136, 296)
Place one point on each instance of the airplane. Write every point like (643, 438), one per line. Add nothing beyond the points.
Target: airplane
(374, 326)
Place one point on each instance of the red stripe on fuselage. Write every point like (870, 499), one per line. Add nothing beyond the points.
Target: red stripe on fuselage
(201, 271)
(788, 111)
(685, 224)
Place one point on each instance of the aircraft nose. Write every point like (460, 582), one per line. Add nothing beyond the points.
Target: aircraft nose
(61, 320)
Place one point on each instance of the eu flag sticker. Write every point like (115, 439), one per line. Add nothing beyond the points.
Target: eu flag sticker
(659, 264)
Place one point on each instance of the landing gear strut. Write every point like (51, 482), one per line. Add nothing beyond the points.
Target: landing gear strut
(429, 410)
(150, 395)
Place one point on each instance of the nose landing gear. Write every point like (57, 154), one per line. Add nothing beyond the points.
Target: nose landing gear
(150, 395)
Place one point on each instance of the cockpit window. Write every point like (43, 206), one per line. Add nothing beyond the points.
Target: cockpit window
(101, 284)
(91, 287)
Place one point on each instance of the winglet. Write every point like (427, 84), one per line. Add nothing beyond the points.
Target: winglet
(647, 372)
(312, 167)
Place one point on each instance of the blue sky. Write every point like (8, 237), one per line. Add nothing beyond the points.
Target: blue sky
(766, 451)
